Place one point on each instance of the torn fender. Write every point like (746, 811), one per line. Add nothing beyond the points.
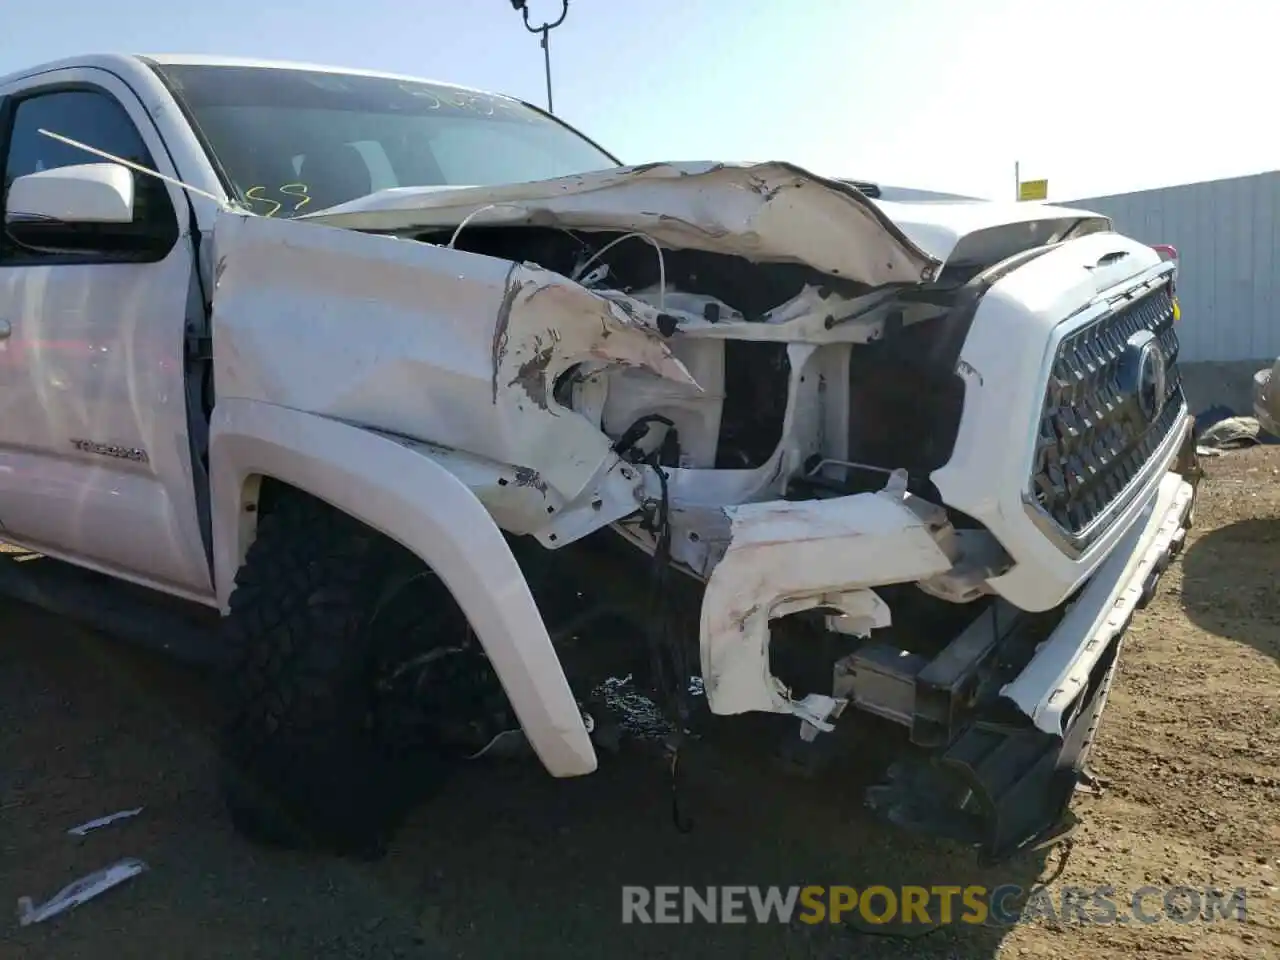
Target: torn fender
(765, 212)
(400, 491)
(422, 341)
(786, 556)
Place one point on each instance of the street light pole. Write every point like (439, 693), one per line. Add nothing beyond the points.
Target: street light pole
(545, 30)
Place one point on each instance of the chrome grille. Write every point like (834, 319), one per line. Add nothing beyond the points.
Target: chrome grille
(1095, 435)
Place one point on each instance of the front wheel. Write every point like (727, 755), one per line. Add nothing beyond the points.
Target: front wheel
(347, 662)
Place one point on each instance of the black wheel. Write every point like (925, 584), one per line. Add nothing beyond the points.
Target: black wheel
(338, 704)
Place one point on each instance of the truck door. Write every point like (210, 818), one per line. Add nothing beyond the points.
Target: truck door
(94, 460)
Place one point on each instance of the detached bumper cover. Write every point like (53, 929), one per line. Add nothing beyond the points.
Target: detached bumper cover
(788, 556)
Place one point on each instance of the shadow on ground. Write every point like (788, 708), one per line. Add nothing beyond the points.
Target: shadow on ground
(1231, 583)
(503, 863)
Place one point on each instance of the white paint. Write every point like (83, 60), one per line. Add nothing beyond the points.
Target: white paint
(446, 346)
(1006, 361)
(398, 489)
(79, 891)
(95, 353)
(802, 319)
(1060, 670)
(174, 147)
(984, 231)
(786, 556)
(84, 193)
(414, 387)
(106, 821)
(765, 212)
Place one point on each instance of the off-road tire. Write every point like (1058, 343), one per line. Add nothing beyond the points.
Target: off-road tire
(301, 766)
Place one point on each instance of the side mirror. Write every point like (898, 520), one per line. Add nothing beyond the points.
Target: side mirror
(84, 193)
(86, 208)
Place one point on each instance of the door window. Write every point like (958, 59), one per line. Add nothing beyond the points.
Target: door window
(96, 119)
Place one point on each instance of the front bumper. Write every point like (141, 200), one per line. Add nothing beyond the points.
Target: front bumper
(1061, 669)
(1266, 399)
(1001, 720)
(1003, 777)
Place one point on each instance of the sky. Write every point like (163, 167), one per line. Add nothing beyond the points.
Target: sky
(1097, 97)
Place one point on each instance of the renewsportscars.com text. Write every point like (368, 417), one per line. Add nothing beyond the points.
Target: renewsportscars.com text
(1003, 905)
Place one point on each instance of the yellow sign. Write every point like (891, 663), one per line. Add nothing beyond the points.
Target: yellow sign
(1033, 190)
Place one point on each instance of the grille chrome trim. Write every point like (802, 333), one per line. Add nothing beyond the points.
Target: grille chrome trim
(1094, 450)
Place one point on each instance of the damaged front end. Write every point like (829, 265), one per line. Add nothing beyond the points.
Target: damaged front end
(864, 470)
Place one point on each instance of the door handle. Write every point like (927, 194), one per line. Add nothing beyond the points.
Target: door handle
(5, 329)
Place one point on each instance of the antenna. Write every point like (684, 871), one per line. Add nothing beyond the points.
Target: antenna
(132, 166)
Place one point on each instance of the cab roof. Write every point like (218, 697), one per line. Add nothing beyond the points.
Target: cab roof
(126, 63)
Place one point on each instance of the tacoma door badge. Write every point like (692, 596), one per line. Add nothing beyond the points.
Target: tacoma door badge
(136, 454)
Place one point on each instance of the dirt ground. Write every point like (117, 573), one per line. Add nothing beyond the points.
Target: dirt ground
(507, 863)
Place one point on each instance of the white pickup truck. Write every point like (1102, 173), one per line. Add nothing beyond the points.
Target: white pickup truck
(450, 416)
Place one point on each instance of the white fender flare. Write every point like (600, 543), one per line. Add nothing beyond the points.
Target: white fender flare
(403, 493)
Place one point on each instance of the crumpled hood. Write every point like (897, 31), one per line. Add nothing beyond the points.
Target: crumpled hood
(765, 212)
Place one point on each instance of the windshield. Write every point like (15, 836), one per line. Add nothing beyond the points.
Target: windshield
(291, 142)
